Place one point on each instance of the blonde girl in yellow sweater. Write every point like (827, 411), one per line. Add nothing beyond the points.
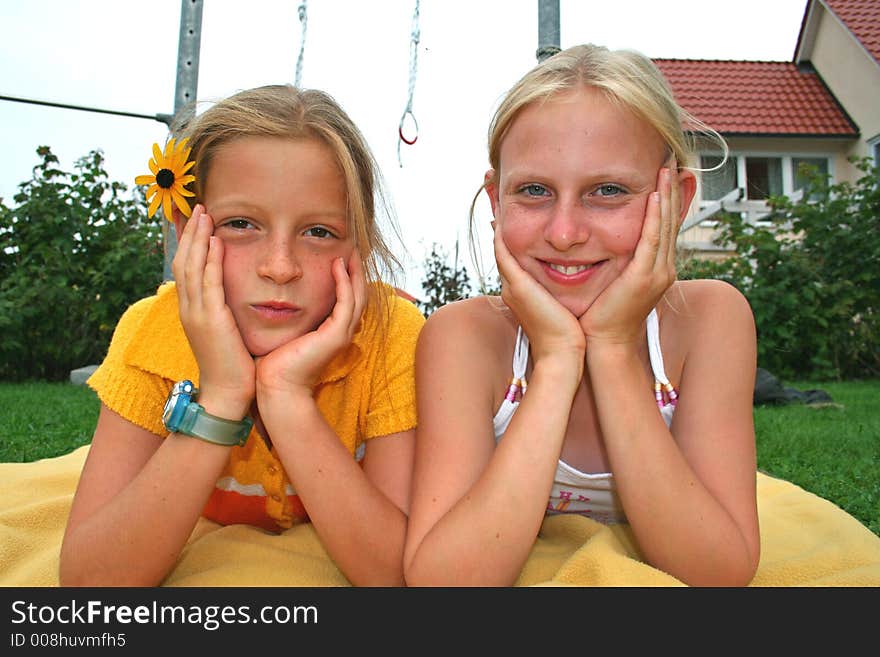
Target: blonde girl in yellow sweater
(271, 383)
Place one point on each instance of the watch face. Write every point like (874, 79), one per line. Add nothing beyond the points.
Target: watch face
(175, 405)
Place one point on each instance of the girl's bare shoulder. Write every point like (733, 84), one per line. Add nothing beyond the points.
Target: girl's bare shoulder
(700, 306)
(479, 327)
(699, 295)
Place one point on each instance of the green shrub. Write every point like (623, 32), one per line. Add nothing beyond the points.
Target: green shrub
(811, 272)
(442, 283)
(74, 253)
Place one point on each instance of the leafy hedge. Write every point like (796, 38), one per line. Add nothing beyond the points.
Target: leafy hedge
(74, 253)
(811, 272)
(442, 283)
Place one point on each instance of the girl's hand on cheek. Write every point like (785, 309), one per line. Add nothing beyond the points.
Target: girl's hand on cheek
(552, 330)
(226, 369)
(618, 313)
(297, 365)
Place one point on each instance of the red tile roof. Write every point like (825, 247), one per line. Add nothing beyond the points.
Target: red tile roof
(756, 98)
(862, 18)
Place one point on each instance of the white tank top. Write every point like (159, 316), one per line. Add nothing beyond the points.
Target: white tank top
(591, 495)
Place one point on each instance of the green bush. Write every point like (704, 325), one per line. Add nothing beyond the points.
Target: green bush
(811, 272)
(74, 253)
(442, 283)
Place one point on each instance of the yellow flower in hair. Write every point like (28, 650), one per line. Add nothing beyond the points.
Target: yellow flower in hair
(167, 183)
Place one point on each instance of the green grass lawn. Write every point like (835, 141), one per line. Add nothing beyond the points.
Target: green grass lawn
(40, 420)
(833, 451)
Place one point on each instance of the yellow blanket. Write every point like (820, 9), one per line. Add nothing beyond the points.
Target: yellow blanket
(805, 541)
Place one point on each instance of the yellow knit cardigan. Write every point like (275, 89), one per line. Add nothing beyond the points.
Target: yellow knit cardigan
(366, 391)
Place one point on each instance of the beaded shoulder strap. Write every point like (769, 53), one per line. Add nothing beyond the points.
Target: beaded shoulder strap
(664, 392)
(518, 383)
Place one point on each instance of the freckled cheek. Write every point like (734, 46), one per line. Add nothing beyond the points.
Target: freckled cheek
(236, 271)
(318, 272)
(627, 238)
(626, 230)
(519, 232)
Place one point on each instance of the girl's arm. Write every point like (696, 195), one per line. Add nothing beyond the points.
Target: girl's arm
(477, 508)
(139, 497)
(136, 504)
(689, 494)
(359, 514)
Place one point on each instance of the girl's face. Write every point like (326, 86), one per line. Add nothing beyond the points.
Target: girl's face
(573, 183)
(279, 206)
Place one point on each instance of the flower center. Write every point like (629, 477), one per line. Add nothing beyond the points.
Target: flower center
(165, 178)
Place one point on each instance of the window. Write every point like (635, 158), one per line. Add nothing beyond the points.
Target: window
(717, 181)
(763, 177)
(799, 177)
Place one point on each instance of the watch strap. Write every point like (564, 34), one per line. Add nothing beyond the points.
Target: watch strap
(199, 423)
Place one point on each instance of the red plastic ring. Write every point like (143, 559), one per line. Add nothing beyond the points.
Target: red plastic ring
(404, 139)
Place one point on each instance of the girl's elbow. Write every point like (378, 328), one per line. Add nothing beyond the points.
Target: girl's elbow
(74, 572)
(392, 580)
(733, 572)
(67, 578)
(418, 573)
(745, 566)
(739, 574)
(385, 572)
(750, 567)
(411, 571)
(73, 575)
(419, 578)
(412, 575)
(70, 573)
(70, 577)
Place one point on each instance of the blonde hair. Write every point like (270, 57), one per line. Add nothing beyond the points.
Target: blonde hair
(286, 112)
(626, 77)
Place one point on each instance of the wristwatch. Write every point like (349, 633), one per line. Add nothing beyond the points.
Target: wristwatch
(183, 415)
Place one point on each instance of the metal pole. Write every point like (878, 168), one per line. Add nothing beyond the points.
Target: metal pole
(548, 29)
(185, 93)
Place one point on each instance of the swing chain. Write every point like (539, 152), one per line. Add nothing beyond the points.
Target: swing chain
(303, 19)
(415, 35)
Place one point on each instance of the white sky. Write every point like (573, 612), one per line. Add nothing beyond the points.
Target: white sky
(122, 55)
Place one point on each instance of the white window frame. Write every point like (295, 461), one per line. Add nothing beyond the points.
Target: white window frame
(787, 174)
(787, 157)
(874, 149)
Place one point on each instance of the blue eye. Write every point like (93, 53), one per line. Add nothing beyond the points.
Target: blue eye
(319, 231)
(609, 190)
(534, 190)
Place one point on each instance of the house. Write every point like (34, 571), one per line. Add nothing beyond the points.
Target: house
(821, 108)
